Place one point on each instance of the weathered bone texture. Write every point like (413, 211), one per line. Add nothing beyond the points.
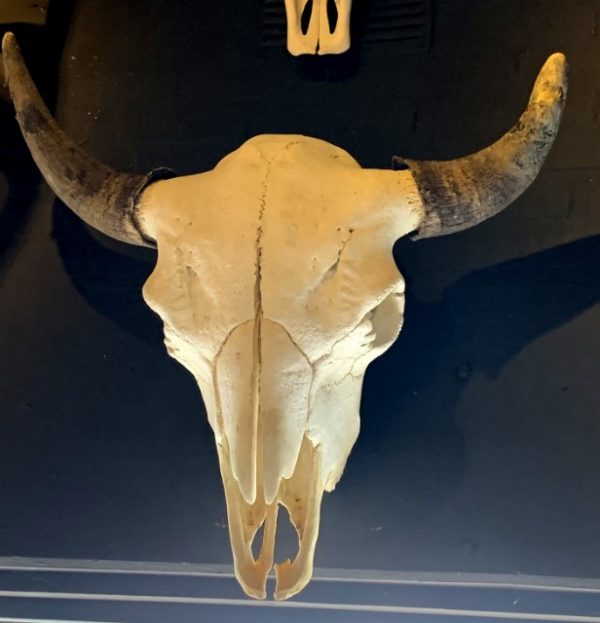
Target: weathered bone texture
(101, 196)
(277, 287)
(277, 317)
(461, 193)
(320, 37)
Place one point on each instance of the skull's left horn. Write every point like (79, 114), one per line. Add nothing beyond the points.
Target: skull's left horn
(104, 198)
(458, 194)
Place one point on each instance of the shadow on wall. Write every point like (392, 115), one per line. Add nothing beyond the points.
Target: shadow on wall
(19, 183)
(480, 324)
(413, 402)
(109, 277)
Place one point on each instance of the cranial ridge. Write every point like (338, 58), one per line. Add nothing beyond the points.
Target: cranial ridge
(277, 287)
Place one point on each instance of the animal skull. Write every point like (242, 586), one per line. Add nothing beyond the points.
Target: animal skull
(321, 36)
(313, 295)
(277, 294)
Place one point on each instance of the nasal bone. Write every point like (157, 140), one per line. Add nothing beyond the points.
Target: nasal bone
(263, 381)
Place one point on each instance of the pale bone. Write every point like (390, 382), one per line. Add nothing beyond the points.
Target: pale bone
(313, 295)
(319, 38)
(276, 284)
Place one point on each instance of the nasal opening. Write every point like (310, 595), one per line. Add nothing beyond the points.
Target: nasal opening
(306, 16)
(332, 15)
(287, 544)
(257, 540)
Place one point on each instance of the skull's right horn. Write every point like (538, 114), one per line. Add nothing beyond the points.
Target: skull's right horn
(104, 198)
(458, 194)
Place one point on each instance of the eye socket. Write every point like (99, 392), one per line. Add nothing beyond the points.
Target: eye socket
(382, 323)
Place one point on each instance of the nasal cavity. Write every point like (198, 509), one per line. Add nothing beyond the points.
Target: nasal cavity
(332, 15)
(257, 541)
(306, 15)
(287, 543)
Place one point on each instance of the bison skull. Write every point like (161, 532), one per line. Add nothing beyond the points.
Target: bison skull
(322, 35)
(277, 287)
(312, 296)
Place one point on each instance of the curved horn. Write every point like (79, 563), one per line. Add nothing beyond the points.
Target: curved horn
(458, 194)
(99, 195)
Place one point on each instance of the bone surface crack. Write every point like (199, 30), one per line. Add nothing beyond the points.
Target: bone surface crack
(258, 319)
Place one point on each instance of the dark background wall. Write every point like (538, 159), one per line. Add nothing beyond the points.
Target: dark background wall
(480, 445)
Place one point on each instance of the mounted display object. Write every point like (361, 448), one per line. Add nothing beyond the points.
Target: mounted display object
(318, 26)
(277, 293)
